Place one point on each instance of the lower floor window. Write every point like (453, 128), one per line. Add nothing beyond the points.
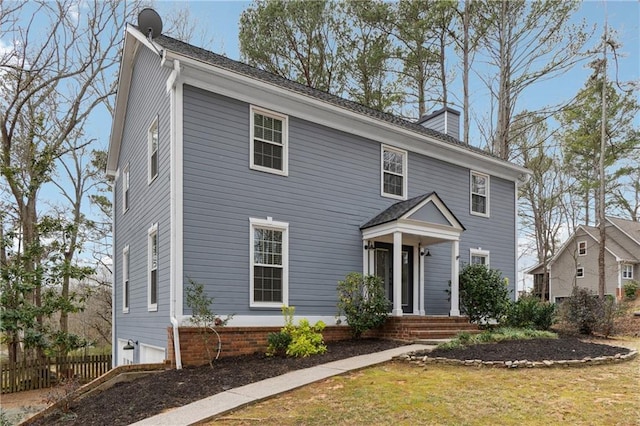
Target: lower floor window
(269, 262)
(479, 257)
(627, 272)
(579, 272)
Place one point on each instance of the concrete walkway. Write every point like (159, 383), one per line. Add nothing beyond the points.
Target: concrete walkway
(229, 400)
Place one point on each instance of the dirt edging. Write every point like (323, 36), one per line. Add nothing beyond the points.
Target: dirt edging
(421, 359)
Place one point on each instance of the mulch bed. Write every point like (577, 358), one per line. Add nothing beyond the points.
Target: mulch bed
(126, 403)
(566, 348)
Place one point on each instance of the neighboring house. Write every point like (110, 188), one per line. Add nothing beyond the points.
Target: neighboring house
(269, 192)
(576, 263)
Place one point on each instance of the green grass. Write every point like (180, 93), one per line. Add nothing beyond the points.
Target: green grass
(400, 393)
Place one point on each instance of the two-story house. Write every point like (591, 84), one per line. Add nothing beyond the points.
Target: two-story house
(576, 263)
(269, 192)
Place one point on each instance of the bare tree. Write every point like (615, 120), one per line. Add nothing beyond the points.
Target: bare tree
(61, 66)
(526, 42)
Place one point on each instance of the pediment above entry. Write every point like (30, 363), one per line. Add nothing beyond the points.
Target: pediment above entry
(426, 216)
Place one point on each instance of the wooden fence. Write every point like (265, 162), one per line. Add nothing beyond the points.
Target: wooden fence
(39, 374)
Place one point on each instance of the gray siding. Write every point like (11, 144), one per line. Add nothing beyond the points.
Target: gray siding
(149, 204)
(333, 187)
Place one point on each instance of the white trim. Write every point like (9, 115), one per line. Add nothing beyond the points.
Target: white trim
(455, 279)
(578, 243)
(271, 320)
(285, 140)
(405, 172)
(283, 227)
(254, 91)
(480, 253)
(580, 269)
(416, 280)
(126, 186)
(155, 123)
(397, 274)
(473, 173)
(624, 266)
(126, 278)
(152, 233)
(176, 167)
(114, 324)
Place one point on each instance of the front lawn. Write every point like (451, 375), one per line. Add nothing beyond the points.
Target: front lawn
(400, 393)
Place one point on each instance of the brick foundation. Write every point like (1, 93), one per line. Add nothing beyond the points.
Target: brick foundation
(235, 341)
(248, 340)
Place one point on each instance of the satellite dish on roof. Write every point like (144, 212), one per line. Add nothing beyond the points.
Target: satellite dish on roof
(149, 23)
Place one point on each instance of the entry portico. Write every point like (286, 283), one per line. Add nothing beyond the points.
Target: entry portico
(406, 229)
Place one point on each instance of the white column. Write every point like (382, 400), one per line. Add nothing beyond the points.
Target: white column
(416, 280)
(365, 258)
(455, 271)
(397, 274)
(421, 309)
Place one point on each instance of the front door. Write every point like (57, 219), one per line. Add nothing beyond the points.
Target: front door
(384, 269)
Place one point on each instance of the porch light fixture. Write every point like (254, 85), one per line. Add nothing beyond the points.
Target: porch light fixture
(369, 245)
(425, 252)
(129, 346)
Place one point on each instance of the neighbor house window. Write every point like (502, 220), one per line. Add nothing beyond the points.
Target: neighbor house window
(582, 248)
(125, 189)
(627, 272)
(579, 272)
(269, 248)
(394, 173)
(152, 292)
(479, 257)
(479, 194)
(269, 144)
(153, 149)
(125, 280)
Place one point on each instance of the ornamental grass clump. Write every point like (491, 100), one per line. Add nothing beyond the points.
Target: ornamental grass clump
(363, 302)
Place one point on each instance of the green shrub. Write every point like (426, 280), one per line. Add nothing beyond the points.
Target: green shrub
(631, 289)
(530, 312)
(278, 343)
(363, 302)
(483, 293)
(306, 339)
(300, 340)
(587, 313)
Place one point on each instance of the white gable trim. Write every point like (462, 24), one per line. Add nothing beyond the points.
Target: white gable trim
(442, 208)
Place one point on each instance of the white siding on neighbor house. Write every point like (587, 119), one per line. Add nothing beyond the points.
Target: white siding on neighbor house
(333, 187)
(148, 204)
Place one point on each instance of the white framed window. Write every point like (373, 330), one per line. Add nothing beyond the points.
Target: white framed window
(479, 194)
(269, 258)
(627, 272)
(580, 272)
(582, 248)
(152, 141)
(125, 280)
(393, 173)
(152, 280)
(479, 257)
(125, 188)
(269, 144)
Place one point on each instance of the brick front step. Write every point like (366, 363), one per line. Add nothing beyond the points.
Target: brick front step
(426, 327)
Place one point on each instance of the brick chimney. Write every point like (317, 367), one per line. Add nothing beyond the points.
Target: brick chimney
(445, 120)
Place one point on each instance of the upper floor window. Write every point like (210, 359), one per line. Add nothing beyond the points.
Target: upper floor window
(479, 194)
(152, 290)
(627, 272)
(582, 248)
(125, 188)
(269, 142)
(125, 280)
(152, 136)
(394, 173)
(479, 257)
(580, 272)
(269, 253)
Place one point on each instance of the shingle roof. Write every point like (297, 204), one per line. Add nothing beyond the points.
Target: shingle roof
(258, 74)
(611, 244)
(628, 226)
(395, 211)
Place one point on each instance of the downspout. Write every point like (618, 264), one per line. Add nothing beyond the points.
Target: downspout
(114, 346)
(175, 252)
